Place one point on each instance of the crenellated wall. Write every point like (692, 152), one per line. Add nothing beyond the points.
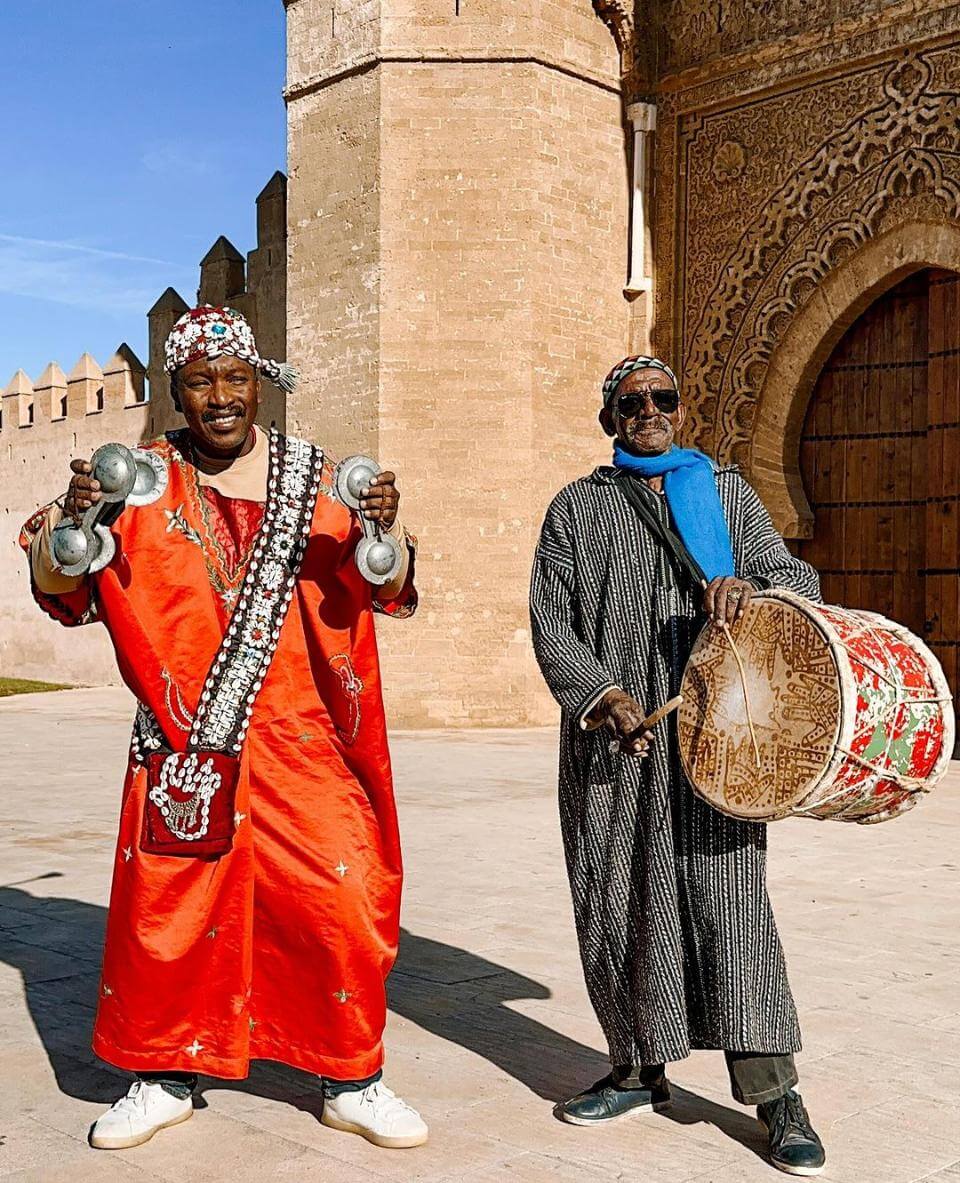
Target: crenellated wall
(45, 424)
(47, 421)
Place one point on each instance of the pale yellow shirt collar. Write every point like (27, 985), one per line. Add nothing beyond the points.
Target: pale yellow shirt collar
(246, 477)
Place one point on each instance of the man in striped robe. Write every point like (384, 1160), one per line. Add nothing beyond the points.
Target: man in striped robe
(676, 933)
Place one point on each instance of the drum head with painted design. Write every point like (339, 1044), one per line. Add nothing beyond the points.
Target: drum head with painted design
(794, 689)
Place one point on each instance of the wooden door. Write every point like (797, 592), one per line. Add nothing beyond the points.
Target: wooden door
(942, 567)
(861, 458)
(880, 459)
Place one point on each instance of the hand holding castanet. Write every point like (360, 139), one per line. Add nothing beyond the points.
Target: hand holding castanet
(83, 490)
(360, 485)
(115, 478)
(380, 500)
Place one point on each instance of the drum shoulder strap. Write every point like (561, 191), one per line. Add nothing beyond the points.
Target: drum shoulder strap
(682, 560)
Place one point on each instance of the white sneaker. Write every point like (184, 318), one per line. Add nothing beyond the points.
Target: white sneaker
(136, 1117)
(377, 1114)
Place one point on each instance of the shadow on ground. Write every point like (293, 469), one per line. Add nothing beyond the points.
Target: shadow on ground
(692, 1109)
(55, 942)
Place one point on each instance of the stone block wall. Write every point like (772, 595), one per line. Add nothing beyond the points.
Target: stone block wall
(333, 313)
(458, 206)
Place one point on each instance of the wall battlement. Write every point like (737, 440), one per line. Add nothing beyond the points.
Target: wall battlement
(51, 405)
(58, 398)
(48, 420)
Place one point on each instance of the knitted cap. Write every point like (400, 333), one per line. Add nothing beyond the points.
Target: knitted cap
(627, 366)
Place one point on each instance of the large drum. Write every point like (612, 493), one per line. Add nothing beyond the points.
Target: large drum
(802, 709)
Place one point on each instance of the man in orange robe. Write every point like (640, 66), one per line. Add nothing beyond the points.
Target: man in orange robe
(262, 924)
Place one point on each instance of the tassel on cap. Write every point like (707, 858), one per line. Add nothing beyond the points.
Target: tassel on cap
(207, 331)
(281, 374)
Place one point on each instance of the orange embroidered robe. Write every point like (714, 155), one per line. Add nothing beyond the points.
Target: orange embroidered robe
(279, 949)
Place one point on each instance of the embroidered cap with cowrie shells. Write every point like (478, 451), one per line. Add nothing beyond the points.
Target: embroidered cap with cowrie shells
(207, 331)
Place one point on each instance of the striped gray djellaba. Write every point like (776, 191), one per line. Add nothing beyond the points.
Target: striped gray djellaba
(678, 942)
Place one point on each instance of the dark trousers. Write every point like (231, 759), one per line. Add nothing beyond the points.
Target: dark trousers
(183, 1084)
(754, 1077)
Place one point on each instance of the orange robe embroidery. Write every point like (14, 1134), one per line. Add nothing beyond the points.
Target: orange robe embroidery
(280, 949)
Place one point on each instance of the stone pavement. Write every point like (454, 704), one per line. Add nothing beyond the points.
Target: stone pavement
(489, 1019)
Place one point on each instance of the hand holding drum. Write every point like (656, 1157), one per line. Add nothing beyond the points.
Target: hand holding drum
(725, 599)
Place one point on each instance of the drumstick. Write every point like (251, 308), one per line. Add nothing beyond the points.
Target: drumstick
(650, 721)
(657, 716)
(743, 683)
(746, 696)
(660, 713)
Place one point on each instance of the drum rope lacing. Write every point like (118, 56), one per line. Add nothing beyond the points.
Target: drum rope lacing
(903, 698)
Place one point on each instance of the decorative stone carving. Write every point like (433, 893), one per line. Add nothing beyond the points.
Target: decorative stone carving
(694, 32)
(729, 161)
(688, 31)
(632, 28)
(827, 166)
(617, 15)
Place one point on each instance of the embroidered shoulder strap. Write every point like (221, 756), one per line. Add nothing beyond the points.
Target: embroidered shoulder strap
(244, 656)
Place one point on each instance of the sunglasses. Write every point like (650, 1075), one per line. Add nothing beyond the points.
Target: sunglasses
(629, 405)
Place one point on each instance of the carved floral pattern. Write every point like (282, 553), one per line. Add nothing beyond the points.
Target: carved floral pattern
(695, 31)
(729, 161)
(753, 253)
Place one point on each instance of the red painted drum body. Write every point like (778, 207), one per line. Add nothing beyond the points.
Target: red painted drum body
(852, 716)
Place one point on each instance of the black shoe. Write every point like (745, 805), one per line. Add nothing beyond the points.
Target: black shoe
(794, 1145)
(603, 1101)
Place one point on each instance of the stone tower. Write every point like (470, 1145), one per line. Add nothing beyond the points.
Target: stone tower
(457, 236)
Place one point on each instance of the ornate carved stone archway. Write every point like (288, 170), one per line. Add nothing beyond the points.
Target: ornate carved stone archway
(895, 163)
(796, 360)
(618, 16)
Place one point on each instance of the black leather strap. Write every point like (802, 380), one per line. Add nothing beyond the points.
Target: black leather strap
(681, 559)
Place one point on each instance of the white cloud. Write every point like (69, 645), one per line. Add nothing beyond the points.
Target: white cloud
(53, 244)
(80, 276)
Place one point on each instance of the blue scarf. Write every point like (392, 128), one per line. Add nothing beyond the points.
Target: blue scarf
(693, 501)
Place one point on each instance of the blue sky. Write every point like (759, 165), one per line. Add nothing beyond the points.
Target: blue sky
(133, 135)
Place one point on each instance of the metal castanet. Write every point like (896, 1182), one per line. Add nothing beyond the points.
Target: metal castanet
(127, 477)
(812, 710)
(378, 556)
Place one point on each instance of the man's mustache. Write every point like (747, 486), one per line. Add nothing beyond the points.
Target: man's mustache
(209, 416)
